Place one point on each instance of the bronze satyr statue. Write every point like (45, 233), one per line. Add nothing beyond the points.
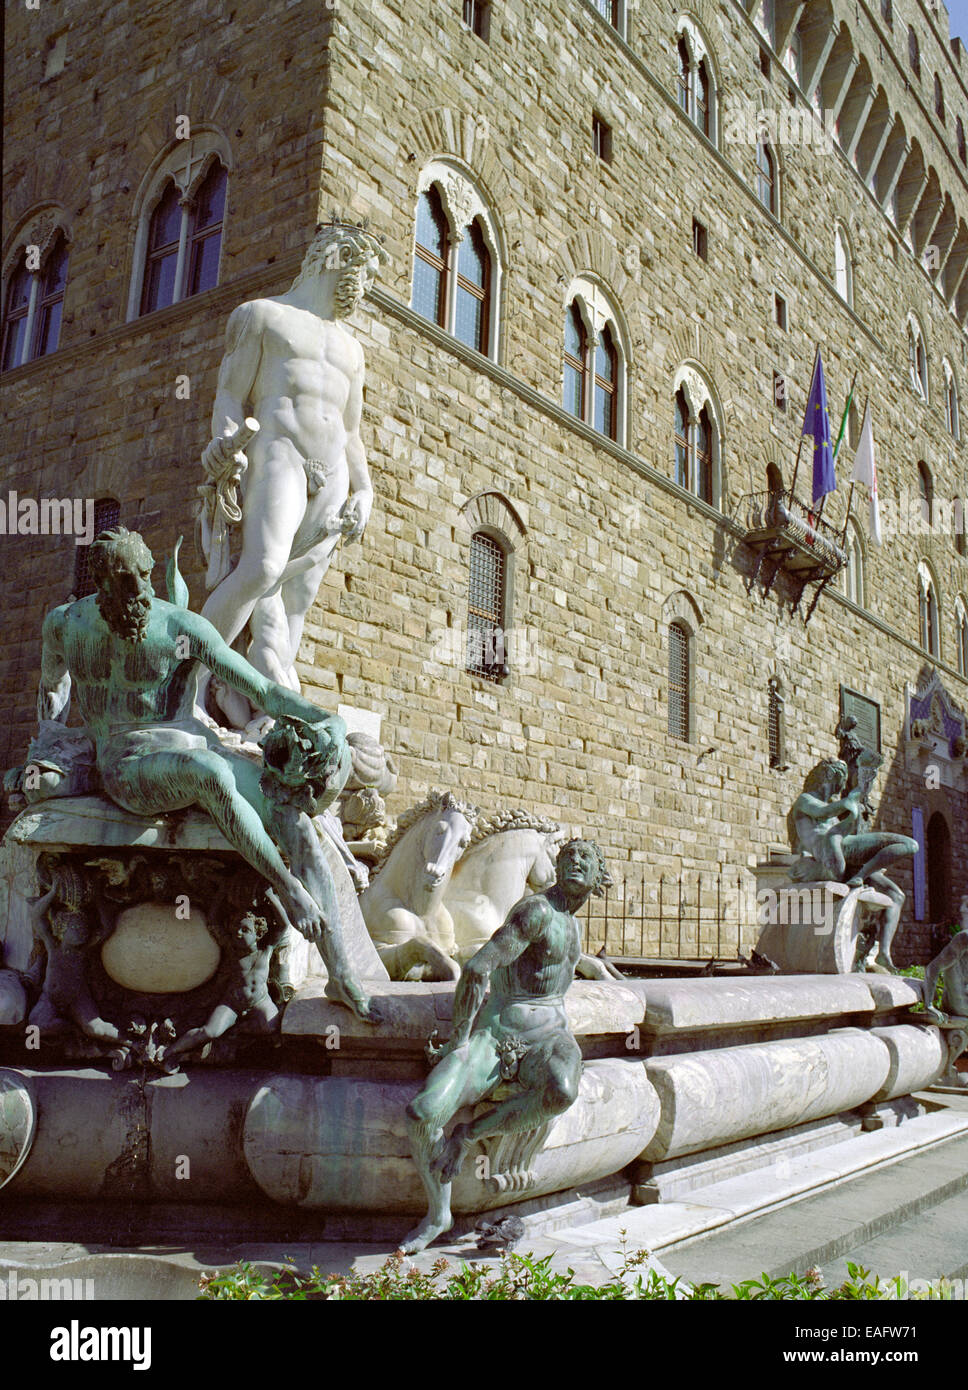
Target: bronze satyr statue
(520, 1034)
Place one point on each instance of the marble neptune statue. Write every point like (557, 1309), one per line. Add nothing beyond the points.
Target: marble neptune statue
(131, 660)
(290, 389)
(519, 1034)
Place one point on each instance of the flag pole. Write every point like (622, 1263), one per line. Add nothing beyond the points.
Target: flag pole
(796, 466)
(850, 495)
(840, 439)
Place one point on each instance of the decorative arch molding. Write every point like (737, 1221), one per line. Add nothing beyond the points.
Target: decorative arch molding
(588, 252)
(681, 607)
(38, 228)
(462, 138)
(928, 579)
(704, 15)
(33, 192)
(492, 511)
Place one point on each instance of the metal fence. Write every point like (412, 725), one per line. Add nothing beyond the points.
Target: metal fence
(686, 916)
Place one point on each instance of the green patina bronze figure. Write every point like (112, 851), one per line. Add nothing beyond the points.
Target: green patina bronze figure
(826, 831)
(519, 1035)
(133, 660)
(952, 966)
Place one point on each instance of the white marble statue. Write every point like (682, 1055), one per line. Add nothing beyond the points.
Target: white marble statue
(509, 855)
(293, 369)
(403, 907)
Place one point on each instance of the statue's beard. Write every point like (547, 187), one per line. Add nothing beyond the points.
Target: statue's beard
(350, 289)
(127, 617)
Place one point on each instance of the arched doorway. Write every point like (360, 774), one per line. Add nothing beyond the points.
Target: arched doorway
(939, 868)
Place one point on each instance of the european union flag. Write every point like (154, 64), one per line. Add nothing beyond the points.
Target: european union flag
(816, 423)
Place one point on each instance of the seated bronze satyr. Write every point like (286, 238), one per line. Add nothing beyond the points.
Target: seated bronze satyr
(519, 1035)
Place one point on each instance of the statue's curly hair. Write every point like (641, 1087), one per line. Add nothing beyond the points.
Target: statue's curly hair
(114, 546)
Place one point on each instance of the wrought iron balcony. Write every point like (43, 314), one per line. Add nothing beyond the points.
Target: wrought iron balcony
(785, 530)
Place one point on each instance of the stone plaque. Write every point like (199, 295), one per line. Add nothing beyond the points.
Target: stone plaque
(868, 716)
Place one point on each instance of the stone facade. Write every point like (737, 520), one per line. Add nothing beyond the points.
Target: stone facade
(344, 107)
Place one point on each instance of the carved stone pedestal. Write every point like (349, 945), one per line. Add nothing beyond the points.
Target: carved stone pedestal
(813, 928)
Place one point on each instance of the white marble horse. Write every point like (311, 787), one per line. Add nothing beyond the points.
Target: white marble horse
(403, 907)
(510, 854)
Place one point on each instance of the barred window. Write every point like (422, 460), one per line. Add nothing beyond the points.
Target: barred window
(107, 513)
(775, 729)
(679, 693)
(486, 653)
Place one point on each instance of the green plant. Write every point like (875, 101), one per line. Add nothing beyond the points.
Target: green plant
(523, 1278)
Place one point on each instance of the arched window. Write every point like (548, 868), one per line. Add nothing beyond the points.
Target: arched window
(887, 12)
(178, 246)
(764, 17)
(697, 441)
(486, 602)
(695, 83)
(35, 305)
(593, 377)
(914, 53)
(961, 632)
(107, 513)
(938, 99)
(793, 58)
(682, 470)
(205, 232)
(960, 140)
(612, 11)
(680, 691)
(430, 258)
(576, 339)
(766, 176)
(952, 418)
(929, 623)
(843, 269)
(606, 382)
(456, 264)
(776, 730)
(925, 494)
(854, 569)
(473, 289)
(918, 358)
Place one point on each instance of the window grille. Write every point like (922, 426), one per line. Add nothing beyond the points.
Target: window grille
(775, 726)
(486, 654)
(107, 513)
(678, 681)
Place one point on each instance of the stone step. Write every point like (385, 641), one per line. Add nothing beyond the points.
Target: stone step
(929, 1246)
(854, 1219)
(871, 1182)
